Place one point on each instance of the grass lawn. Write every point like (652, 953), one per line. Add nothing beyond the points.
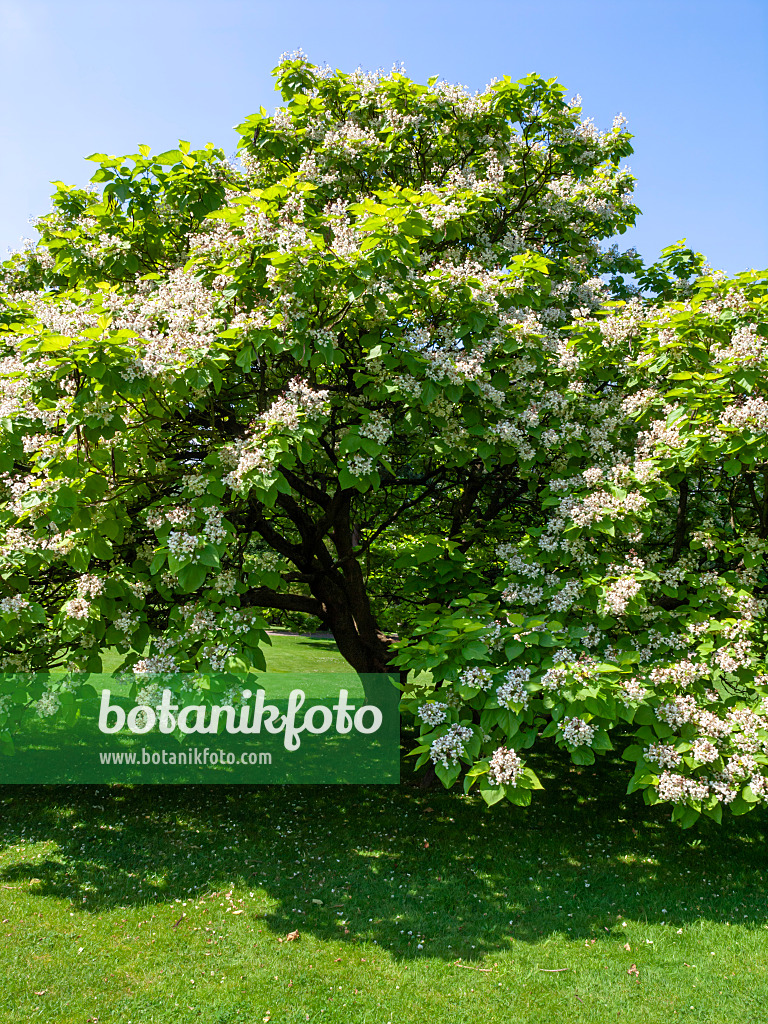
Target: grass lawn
(288, 653)
(165, 904)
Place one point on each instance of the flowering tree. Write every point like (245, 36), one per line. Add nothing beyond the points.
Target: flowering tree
(635, 604)
(383, 373)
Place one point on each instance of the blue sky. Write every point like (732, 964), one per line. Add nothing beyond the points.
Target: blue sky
(691, 77)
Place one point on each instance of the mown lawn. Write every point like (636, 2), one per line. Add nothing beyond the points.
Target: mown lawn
(165, 904)
(287, 653)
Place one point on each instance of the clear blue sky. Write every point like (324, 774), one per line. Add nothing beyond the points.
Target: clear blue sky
(690, 75)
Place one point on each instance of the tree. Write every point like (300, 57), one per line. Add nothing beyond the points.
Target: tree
(372, 374)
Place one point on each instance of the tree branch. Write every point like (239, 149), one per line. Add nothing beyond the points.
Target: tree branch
(263, 597)
(682, 520)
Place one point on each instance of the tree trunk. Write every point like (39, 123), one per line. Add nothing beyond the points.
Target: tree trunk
(361, 643)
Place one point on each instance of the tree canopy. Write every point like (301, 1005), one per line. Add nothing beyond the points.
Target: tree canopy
(383, 372)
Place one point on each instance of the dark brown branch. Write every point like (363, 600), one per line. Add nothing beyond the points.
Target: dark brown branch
(759, 506)
(464, 504)
(263, 597)
(306, 489)
(682, 520)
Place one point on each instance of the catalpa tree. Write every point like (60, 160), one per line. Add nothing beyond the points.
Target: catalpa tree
(383, 373)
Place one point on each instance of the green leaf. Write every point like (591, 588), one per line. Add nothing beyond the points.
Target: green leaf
(191, 577)
(94, 487)
(101, 548)
(169, 157)
(158, 562)
(475, 651)
(634, 752)
(447, 775)
(689, 817)
(492, 794)
(210, 556)
(519, 797)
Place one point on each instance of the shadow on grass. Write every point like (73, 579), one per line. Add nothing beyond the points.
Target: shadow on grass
(395, 864)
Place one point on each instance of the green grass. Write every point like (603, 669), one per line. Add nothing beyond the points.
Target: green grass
(287, 653)
(167, 904)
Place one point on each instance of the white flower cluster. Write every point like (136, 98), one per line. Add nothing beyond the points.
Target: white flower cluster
(47, 705)
(495, 638)
(156, 664)
(721, 787)
(750, 412)
(637, 403)
(577, 732)
(515, 594)
(377, 428)
(127, 621)
(218, 655)
(175, 323)
(748, 724)
(198, 619)
(213, 526)
(13, 604)
(676, 713)
(195, 483)
(514, 691)
(602, 504)
(151, 696)
(663, 754)
(359, 465)
(660, 438)
(704, 751)
(566, 596)
(226, 582)
(677, 789)
(183, 544)
(237, 621)
(246, 456)
(746, 347)
(623, 326)
(77, 608)
(506, 430)
(349, 138)
(619, 594)
(89, 586)
(433, 713)
(516, 563)
(631, 691)
(738, 655)
(712, 725)
(476, 676)
(177, 515)
(286, 413)
(758, 783)
(554, 678)
(563, 654)
(300, 400)
(682, 673)
(504, 767)
(448, 748)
